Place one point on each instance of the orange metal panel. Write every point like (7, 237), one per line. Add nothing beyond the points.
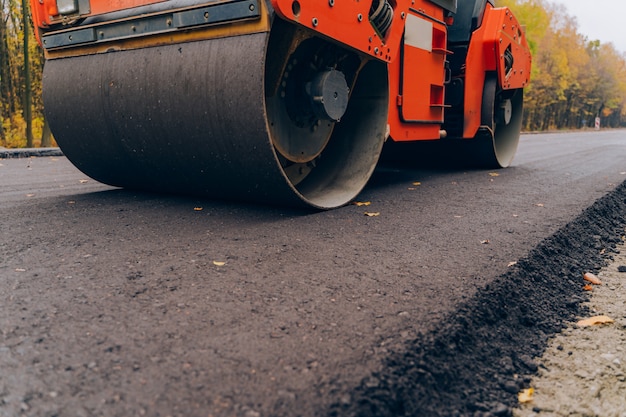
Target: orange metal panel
(423, 73)
(417, 78)
(347, 22)
(101, 6)
(45, 12)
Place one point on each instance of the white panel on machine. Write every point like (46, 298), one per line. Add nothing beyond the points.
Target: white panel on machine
(418, 33)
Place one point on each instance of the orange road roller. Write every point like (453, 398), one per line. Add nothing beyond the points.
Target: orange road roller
(276, 101)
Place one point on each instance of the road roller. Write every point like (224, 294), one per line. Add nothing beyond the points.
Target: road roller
(287, 102)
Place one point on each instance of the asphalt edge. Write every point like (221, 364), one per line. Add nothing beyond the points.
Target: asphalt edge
(29, 152)
(481, 356)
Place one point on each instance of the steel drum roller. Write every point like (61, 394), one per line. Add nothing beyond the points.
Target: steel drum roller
(227, 118)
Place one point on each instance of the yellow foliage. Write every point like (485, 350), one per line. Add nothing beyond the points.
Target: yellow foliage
(14, 132)
(573, 79)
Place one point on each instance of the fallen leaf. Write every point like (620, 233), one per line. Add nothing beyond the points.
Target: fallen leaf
(458, 217)
(219, 263)
(20, 270)
(525, 396)
(197, 209)
(494, 174)
(83, 181)
(362, 203)
(539, 205)
(510, 264)
(592, 278)
(485, 242)
(370, 214)
(417, 183)
(588, 288)
(592, 321)
(411, 188)
(30, 195)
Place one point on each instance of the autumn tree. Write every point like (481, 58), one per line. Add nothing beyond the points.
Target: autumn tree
(15, 72)
(574, 79)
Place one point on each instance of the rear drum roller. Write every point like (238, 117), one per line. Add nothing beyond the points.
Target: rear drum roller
(496, 142)
(280, 117)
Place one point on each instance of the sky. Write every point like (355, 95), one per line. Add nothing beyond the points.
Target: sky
(604, 20)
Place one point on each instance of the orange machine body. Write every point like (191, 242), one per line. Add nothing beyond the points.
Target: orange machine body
(414, 46)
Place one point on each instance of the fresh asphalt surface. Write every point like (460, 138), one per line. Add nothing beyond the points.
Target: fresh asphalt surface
(120, 303)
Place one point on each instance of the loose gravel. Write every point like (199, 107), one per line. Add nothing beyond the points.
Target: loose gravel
(582, 373)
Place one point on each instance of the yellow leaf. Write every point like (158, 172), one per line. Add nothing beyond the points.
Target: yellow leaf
(525, 396)
(494, 174)
(417, 183)
(362, 203)
(219, 263)
(592, 321)
(197, 209)
(374, 214)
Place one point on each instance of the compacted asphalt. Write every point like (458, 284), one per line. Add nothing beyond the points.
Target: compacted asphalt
(432, 298)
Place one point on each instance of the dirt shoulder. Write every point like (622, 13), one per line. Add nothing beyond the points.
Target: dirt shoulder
(582, 373)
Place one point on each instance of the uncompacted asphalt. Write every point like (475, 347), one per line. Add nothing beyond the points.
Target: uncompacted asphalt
(121, 303)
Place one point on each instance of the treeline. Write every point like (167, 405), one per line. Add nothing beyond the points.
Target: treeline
(21, 108)
(574, 79)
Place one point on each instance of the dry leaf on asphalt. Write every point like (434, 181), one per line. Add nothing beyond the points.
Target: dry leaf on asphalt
(494, 174)
(197, 209)
(526, 396)
(510, 264)
(592, 321)
(417, 183)
(370, 214)
(588, 287)
(592, 278)
(219, 263)
(485, 242)
(362, 203)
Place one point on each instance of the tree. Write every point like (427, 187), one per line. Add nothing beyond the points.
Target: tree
(21, 63)
(573, 79)
(28, 116)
